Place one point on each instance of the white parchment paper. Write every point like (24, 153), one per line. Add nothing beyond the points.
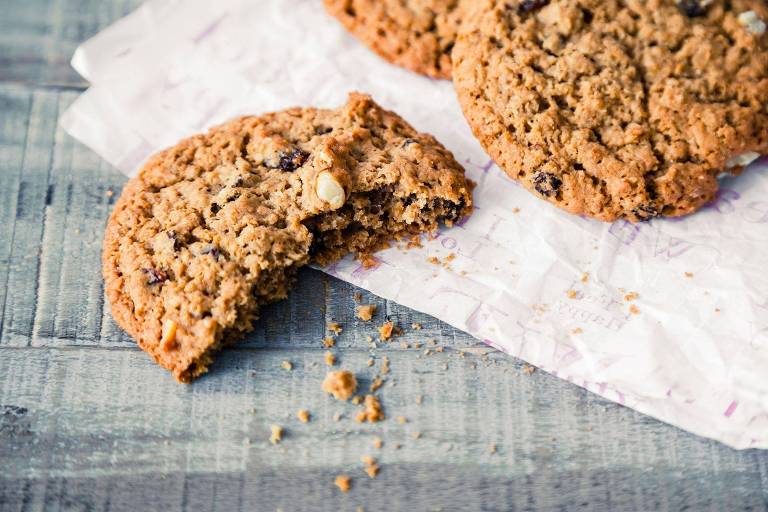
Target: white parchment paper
(696, 353)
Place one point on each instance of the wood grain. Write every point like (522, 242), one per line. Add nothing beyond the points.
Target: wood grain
(88, 422)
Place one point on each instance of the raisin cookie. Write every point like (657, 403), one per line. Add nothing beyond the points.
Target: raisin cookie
(218, 225)
(617, 108)
(415, 34)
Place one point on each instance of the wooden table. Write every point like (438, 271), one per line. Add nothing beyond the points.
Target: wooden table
(88, 422)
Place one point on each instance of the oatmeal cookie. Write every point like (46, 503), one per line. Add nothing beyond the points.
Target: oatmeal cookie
(217, 226)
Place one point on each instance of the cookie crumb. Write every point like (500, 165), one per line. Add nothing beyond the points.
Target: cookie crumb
(328, 342)
(372, 412)
(377, 442)
(366, 311)
(110, 192)
(634, 309)
(335, 327)
(330, 359)
(397, 446)
(384, 365)
(515, 210)
(529, 369)
(585, 277)
(376, 384)
(343, 482)
(631, 296)
(341, 384)
(303, 415)
(577, 330)
(276, 434)
(372, 470)
(572, 294)
(419, 399)
(286, 365)
(416, 326)
(358, 296)
(337, 416)
(370, 362)
(689, 275)
(416, 435)
(402, 420)
(433, 260)
(356, 400)
(385, 331)
(492, 448)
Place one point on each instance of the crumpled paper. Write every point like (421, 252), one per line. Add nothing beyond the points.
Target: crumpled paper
(542, 285)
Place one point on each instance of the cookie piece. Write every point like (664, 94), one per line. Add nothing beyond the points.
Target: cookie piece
(617, 109)
(218, 225)
(415, 34)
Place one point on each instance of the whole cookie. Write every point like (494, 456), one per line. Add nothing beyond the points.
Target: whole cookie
(617, 109)
(416, 34)
(218, 225)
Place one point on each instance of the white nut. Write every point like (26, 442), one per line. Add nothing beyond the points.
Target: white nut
(168, 339)
(742, 160)
(330, 190)
(752, 22)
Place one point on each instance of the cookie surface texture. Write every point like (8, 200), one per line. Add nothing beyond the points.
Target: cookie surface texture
(216, 226)
(415, 34)
(617, 109)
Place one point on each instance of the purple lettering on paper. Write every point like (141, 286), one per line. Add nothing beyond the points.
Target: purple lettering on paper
(449, 243)
(625, 231)
(723, 201)
(732, 407)
(756, 212)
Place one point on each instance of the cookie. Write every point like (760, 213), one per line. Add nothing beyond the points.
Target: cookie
(217, 226)
(415, 34)
(617, 109)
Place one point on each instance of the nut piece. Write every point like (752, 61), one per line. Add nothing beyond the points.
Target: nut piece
(742, 160)
(330, 190)
(751, 21)
(341, 384)
(168, 339)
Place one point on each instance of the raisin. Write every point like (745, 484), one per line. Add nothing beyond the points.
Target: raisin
(155, 276)
(531, 5)
(215, 209)
(175, 237)
(378, 198)
(692, 8)
(323, 130)
(546, 184)
(645, 212)
(292, 160)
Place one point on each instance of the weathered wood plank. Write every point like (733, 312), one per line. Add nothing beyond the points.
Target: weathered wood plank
(187, 447)
(38, 37)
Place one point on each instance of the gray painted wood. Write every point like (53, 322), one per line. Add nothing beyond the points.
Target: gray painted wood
(88, 422)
